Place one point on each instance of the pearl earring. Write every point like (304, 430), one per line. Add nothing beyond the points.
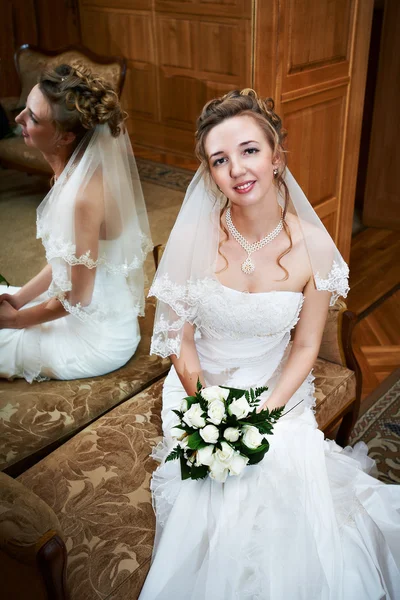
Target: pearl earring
(275, 172)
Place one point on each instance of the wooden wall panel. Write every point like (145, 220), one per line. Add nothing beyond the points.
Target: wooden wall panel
(49, 25)
(214, 40)
(139, 96)
(129, 34)
(177, 40)
(116, 4)
(122, 33)
(230, 8)
(57, 23)
(180, 97)
(180, 54)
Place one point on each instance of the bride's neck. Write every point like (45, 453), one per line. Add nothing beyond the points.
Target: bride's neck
(256, 221)
(57, 160)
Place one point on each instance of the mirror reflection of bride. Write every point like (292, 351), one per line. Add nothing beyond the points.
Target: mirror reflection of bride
(78, 316)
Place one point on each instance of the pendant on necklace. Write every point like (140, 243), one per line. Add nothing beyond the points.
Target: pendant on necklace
(248, 266)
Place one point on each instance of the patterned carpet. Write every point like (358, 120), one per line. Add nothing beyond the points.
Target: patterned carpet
(165, 175)
(379, 428)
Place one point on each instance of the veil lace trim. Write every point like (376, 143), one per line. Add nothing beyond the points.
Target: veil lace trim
(337, 282)
(67, 251)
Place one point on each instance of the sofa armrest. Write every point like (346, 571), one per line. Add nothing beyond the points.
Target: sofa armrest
(332, 344)
(31, 543)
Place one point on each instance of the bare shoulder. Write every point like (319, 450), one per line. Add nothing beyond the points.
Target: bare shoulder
(302, 230)
(90, 199)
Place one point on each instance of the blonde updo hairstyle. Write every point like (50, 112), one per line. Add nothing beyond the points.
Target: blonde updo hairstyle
(241, 103)
(80, 100)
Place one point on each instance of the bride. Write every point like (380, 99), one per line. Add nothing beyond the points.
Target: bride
(247, 261)
(78, 316)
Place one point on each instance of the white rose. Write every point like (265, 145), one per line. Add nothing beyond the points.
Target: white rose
(252, 438)
(216, 412)
(232, 434)
(238, 463)
(194, 416)
(214, 392)
(240, 408)
(204, 456)
(210, 434)
(177, 433)
(218, 470)
(225, 453)
(184, 405)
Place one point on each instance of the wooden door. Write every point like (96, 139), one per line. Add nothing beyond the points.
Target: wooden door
(311, 56)
(382, 191)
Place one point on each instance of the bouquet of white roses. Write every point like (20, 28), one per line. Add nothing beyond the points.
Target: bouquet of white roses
(220, 432)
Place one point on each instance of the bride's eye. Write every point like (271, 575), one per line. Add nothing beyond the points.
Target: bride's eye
(218, 161)
(251, 150)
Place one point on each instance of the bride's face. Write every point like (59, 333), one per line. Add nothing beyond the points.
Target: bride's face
(38, 128)
(241, 160)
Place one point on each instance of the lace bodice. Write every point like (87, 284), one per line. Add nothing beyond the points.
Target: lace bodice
(221, 313)
(228, 313)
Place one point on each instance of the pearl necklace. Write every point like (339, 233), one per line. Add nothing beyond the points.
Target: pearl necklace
(248, 266)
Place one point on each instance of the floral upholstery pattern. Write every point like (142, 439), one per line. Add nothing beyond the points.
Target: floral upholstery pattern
(24, 519)
(33, 416)
(98, 486)
(335, 388)
(331, 343)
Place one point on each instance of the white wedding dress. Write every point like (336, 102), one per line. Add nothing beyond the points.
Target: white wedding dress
(73, 346)
(307, 523)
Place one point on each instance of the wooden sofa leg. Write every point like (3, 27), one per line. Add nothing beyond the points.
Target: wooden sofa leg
(52, 564)
(346, 426)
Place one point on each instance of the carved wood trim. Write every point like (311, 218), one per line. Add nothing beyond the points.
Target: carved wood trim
(52, 564)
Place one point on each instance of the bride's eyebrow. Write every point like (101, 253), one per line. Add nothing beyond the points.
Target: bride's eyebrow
(241, 144)
(249, 142)
(216, 153)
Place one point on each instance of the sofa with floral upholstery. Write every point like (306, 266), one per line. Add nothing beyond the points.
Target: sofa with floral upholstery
(79, 524)
(30, 61)
(36, 418)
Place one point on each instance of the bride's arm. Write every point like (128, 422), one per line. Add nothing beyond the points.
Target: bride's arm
(88, 219)
(305, 347)
(31, 290)
(187, 365)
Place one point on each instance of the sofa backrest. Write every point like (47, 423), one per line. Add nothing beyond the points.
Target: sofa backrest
(32, 61)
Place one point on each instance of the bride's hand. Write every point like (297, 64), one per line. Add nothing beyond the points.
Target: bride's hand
(270, 404)
(12, 299)
(8, 316)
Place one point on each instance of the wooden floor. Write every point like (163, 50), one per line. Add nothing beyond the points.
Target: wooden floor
(375, 298)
